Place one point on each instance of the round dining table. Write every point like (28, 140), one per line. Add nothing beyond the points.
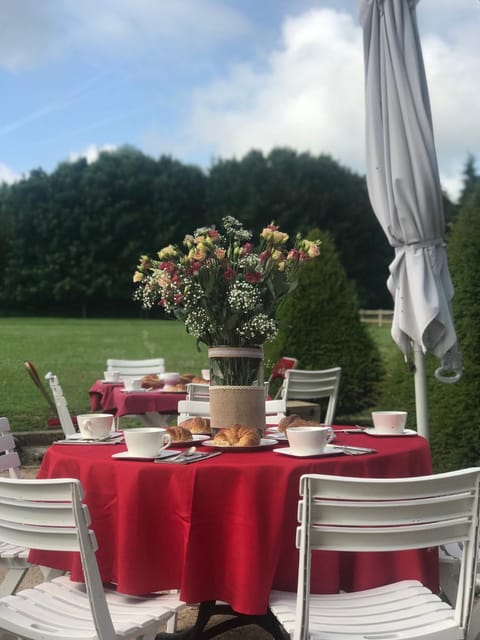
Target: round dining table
(224, 528)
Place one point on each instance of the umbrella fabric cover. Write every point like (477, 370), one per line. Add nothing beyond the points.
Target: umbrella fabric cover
(403, 181)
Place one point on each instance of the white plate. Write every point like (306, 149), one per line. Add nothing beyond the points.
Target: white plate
(330, 450)
(142, 390)
(264, 443)
(406, 432)
(276, 434)
(197, 438)
(125, 455)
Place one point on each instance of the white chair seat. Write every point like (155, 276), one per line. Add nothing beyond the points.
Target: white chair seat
(395, 611)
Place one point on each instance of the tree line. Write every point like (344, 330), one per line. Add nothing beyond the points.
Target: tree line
(71, 239)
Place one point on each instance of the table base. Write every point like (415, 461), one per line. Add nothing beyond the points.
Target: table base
(211, 608)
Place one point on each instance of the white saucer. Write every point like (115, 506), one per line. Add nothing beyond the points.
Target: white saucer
(406, 432)
(330, 450)
(167, 453)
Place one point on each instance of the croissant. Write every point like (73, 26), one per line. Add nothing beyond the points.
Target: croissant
(180, 434)
(196, 425)
(237, 436)
(199, 380)
(151, 381)
(294, 420)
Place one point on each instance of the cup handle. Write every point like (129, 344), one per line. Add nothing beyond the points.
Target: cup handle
(331, 435)
(88, 426)
(167, 440)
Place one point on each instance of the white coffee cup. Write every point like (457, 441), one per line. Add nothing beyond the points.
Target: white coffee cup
(95, 425)
(133, 384)
(386, 422)
(146, 442)
(111, 376)
(309, 440)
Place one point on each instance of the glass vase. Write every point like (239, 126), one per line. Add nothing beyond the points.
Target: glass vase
(237, 390)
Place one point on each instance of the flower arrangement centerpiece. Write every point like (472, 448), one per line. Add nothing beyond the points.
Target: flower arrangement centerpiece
(226, 291)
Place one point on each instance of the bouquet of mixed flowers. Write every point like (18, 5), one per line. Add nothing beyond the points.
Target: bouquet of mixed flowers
(221, 286)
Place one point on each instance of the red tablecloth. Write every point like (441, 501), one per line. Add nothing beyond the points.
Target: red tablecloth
(112, 398)
(224, 528)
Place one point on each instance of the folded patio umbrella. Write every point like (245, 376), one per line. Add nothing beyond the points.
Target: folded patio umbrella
(405, 192)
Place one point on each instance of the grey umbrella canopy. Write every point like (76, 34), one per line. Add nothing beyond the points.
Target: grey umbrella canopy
(405, 192)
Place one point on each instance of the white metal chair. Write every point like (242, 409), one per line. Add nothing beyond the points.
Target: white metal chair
(301, 387)
(128, 369)
(12, 556)
(356, 514)
(66, 421)
(198, 391)
(275, 410)
(192, 408)
(450, 559)
(50, 514)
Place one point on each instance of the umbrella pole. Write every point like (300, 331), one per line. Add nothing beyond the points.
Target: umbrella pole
(421, 402)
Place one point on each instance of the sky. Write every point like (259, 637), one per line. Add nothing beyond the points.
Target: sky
(201, 80)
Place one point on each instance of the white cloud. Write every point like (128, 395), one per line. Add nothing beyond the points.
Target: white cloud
(311, 94)
(91, 153)
(7, 175)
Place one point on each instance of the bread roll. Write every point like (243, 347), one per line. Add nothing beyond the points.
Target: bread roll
(199, 380)
(237, 436)
(151, 381)
(197, 425)
(180, 434)
(295, 421)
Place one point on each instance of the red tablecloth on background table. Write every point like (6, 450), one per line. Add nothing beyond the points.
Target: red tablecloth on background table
(112, 398)
(224, 528)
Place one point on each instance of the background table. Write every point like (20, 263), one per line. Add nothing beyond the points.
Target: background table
(112, 398)
(224, 528)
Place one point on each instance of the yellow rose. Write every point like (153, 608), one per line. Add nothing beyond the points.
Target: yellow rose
(137, 276)
(167, 252)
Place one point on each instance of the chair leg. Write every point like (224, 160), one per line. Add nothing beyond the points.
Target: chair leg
(12, 579)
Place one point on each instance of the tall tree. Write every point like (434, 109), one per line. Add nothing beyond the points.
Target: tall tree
(300, 192)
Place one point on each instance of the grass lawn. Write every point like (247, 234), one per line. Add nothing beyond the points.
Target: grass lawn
(76, 351)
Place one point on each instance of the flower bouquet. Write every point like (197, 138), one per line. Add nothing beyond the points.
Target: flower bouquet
(226, 291)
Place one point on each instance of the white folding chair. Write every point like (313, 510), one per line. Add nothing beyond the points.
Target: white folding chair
(198, 391)
(13, 557)
(128, 369)
(50, 514)
(301, 387)
(191, 409)
(450, 559)
(275, 410)
(63, 413)
(359, 514)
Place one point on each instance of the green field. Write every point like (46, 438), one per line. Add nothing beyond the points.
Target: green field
(76, 351)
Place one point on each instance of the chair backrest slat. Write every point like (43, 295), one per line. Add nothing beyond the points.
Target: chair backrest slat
(128, 369)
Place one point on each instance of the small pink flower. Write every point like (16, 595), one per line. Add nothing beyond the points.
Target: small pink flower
(247, 248)
(229, 274)
(264, 256)
(253, 277)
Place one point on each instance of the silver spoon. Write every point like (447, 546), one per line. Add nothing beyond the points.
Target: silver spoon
(185, 454)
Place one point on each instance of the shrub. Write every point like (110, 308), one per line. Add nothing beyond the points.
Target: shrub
(320, 325)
